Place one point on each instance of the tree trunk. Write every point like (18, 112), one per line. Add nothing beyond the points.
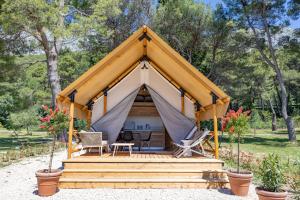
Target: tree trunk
(53, 77)
(284, 104)
(272, 62)
(51, 153)
(238, 162)
(274, 118)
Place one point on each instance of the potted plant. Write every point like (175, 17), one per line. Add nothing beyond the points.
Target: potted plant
(271, 176)
(54, 122)
(237, 124)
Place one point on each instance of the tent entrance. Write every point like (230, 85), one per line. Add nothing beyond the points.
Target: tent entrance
(143, 102)
(144, 119)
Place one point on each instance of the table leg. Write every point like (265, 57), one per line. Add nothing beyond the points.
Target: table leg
(130, 150)
(114, 150)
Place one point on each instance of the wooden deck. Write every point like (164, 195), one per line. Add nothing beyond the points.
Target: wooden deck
(142, 170)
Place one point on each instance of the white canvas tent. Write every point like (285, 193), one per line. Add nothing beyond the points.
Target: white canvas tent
(121, 71)
(144, 73)
(166, 97)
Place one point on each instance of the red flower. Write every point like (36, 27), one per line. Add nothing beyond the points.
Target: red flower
(232, 115)
(45, 119)
(42, 126)
(44, 107)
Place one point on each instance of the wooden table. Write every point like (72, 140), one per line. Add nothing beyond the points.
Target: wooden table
(117, 145)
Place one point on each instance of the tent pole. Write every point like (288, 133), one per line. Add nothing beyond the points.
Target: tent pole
(105, 100)
(182, 100)
(216, 139)
(71, 123)
(197, 116)
(89, 115)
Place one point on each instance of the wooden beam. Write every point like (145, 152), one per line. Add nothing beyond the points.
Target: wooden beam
(105, 100)
(89, 106)
(215, 119)
(65, 100)
(182, 61)
(89, 119)
(145, 41)
(182, 100)
(104, 62)
(218, 101)
(71, 123)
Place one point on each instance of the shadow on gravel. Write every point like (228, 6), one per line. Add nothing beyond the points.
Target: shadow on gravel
(225, 191)
(35, 192)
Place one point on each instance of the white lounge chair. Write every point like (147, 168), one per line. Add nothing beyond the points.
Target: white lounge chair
(92, 140)
(196, 141)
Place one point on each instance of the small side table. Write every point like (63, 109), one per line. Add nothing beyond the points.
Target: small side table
(187, 143)
(117, 145)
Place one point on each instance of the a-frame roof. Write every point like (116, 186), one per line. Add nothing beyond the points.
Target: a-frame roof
(144, 44)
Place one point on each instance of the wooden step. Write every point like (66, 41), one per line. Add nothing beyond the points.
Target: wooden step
(142, 183)
(144, 165)
(141, 173)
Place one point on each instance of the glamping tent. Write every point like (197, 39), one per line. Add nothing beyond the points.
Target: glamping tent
(109, 92)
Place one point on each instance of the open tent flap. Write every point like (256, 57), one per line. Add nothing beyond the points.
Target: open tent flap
(170, 93)
(112, 122)
(120, 91)
(177, 125)
(136, 78)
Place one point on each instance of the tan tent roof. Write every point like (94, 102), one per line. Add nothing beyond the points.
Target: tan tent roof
(144, 43)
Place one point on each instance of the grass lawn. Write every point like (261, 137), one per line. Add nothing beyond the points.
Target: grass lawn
(265, 141)
(14, 148)
(8, 141)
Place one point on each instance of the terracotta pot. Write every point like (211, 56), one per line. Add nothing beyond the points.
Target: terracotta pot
(47, 182)
(240, 182)
(266, 195)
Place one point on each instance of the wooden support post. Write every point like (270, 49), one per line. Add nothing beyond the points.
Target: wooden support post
(197, 117)
(88, 119)
(71, 123)
(182, 99)
(89, 114)
(215, 119)
(105, 100)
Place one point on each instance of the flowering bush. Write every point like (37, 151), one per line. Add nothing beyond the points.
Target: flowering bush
(236, 123)
(54, 122)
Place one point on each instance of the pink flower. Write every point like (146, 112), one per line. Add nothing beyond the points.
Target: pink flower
(44, 107)
(42, 126)
(45, 119)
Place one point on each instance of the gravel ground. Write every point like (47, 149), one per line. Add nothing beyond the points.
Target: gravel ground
(18, 181)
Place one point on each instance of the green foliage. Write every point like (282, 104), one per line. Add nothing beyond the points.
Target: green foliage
(72, 65)
(295, 184)
(271, 173)
(27, 119)
(6, 106)
(182, 23)
(80, 124)
(29, 16)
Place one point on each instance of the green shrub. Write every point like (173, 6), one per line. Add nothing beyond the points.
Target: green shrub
(295, 181)
(271, 173)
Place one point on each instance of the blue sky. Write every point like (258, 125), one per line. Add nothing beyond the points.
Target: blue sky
(212, 3)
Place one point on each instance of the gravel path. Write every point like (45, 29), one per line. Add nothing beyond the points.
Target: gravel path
(18, 181)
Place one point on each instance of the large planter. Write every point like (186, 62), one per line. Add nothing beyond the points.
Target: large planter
(266, 195)
(240, 182)
(47, 182)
